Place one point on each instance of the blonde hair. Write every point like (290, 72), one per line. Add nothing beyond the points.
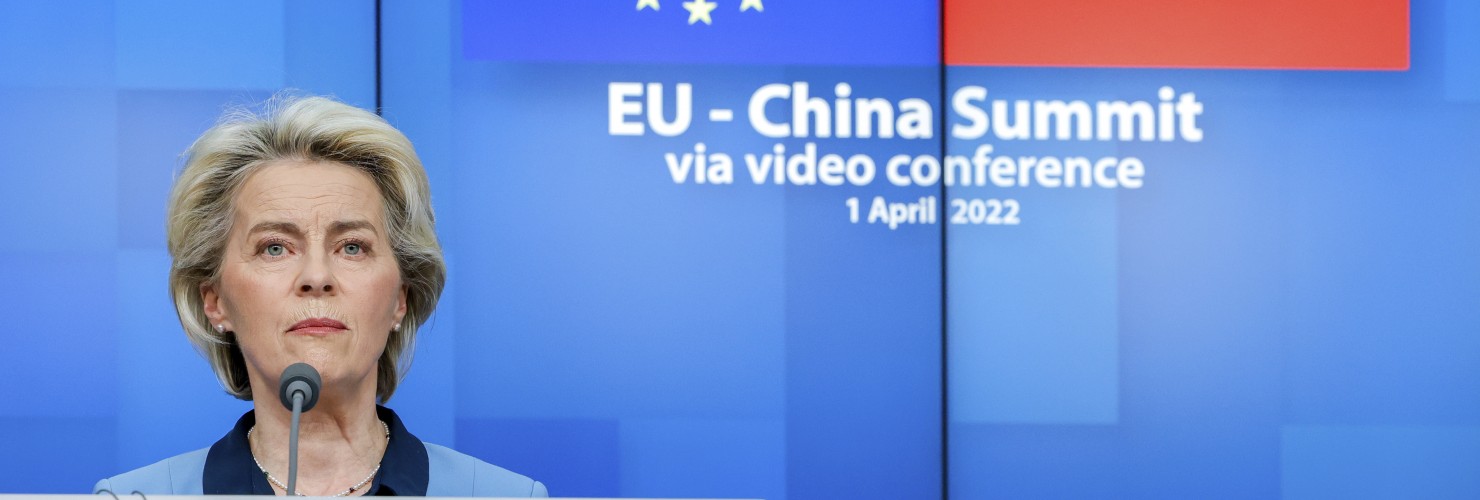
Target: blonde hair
(303, 129)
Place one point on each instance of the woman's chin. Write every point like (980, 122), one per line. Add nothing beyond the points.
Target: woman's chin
(320, 356)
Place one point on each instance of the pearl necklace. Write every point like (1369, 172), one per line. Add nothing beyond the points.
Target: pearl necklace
(346, 492)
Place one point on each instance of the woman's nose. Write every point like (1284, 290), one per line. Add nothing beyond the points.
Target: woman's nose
(316, 278)
(308, 287)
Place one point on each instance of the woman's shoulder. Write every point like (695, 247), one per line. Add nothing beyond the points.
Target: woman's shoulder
(450, 474)
(177, 475)
(454, 474)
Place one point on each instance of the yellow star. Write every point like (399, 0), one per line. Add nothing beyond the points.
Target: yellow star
(699, 10)
(647, 3)
(756, 4)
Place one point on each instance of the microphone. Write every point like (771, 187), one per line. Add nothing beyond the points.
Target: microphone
(299, 390)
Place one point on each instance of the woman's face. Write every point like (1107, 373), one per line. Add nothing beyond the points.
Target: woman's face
(308, 275)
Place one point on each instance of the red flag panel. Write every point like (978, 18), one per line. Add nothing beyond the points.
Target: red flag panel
(1244, 34)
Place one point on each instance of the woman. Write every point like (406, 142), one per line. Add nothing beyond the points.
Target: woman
(306, 235)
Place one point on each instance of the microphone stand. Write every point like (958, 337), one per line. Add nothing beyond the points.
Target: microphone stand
(298, 389)
(293, 443)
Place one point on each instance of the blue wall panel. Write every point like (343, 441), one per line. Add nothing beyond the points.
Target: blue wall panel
(99, 99)
(1292, 301)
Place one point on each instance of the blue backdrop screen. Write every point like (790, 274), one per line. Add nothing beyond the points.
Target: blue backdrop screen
(622, 330)
(772, 249)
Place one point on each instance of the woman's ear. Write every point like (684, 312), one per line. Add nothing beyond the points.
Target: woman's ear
(401, 305)
(213, 305)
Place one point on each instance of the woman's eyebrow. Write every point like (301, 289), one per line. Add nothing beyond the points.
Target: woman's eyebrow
(291, 229)
(278, 226)
(343, 226)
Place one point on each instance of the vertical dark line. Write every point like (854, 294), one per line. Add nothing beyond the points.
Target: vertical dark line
(945, 415)
(378, 102)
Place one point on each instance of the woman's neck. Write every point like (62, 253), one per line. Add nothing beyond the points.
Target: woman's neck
(339, 442)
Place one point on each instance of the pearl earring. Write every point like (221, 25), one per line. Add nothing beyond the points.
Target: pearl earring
(220, 328)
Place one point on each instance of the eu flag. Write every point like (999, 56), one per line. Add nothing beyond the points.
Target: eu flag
(805, 32)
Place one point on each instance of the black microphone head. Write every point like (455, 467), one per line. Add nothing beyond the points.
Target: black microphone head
(300, 377)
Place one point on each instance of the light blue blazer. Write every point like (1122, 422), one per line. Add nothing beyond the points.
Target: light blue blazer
(451, 474)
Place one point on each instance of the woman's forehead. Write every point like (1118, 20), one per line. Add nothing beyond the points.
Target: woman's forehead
(312, 195)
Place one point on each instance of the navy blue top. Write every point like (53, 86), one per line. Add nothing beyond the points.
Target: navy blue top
(230, 469)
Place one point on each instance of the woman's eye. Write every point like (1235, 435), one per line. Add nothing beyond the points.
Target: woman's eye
(352, 249)
(275, 250)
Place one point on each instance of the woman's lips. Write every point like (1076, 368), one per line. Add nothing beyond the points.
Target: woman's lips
(317, 326)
